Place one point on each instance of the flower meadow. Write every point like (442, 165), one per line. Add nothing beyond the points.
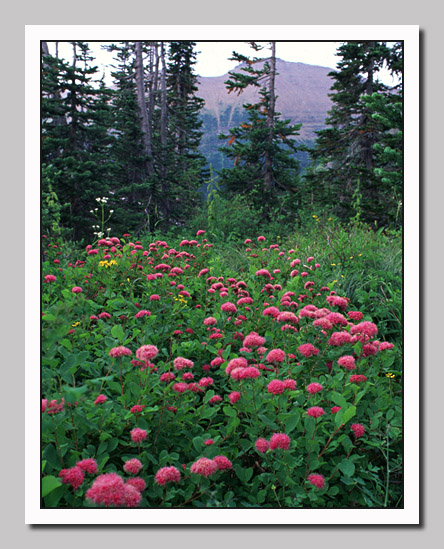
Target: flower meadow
(169, 382)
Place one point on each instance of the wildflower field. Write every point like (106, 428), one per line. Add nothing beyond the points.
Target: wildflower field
(172, 380)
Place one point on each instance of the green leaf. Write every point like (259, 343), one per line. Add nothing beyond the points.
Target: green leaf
(117, 332)
(292, 421)
(338, 399)
(198, 443)
(49, 483)
(348, 414)
(347, 467)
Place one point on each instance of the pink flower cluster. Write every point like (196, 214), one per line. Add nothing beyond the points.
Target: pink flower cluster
(119, 351)
(181, 363)
(166, 475)
(277, 440)
(110, 490)
(207, 467)
(277, 387)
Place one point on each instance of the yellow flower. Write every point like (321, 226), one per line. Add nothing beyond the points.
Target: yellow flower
(351, 257)
(390, 375)
(360, 255)
(315, 216)
(342, 276)
(75, 324)
(333, 264)
(329, 219)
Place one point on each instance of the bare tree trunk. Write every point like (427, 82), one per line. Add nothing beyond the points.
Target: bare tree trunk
(270, 116)
(141, 100)
(163, 135)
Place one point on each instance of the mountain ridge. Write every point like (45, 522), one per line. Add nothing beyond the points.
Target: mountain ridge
(302, 97)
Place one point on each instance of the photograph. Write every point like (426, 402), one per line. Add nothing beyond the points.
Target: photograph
(223, 276)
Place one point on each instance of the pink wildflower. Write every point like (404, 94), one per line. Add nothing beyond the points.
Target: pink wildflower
(77, 290)
(279, 440)
(271, 311)
(262, 445)
(88, 465)
(215, 399)
(287, 317)
(366, 328)
(276, 387)
(147, 352)
(315, 411)
(348, 362)
(181, 363)
(228, 307)
(100, 399)
(142, 313)
(234, 397)
(358, 430)
(290, 384)
(357, 378)
(167, 376)
(180, 387)
(355, 315)
(210, 321)
(119, 351)
(222, 463)
(316, 480)
(338, 339)
(138, 483)
(253, 340)
(137, 408)
(314, 388)
(204, 466)
(335, 409)
(138, 435)
(206, 382)
(307, 349)
(50, 278)
(209, 442)
(276, 356)
(73, 476)
(108, 489)
(239, 362)
(132, 466)
(385, 345)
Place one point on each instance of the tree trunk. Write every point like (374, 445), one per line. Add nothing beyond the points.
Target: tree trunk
(144, 118)
(163, 136)
(270, 117)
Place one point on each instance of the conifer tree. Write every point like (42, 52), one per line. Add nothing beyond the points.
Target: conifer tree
(186, 166)
(261, 148)
(343, 171)
(75, 137)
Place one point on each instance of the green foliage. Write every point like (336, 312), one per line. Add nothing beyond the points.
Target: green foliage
(359, 472)
(358, 148)
(75, 136)
(261, 148)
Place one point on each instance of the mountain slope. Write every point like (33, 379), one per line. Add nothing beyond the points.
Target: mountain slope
(302, 92)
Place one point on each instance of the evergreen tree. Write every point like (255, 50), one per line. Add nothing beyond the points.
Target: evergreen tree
(261, 148)
(343, 173)
(129, 183)
(186, 166)
(75, 137)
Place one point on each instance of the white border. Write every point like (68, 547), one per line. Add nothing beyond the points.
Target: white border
(410, 513)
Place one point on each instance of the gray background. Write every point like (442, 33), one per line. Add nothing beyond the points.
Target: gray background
(427, 14)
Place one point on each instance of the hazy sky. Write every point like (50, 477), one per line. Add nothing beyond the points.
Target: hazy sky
(212, 57)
